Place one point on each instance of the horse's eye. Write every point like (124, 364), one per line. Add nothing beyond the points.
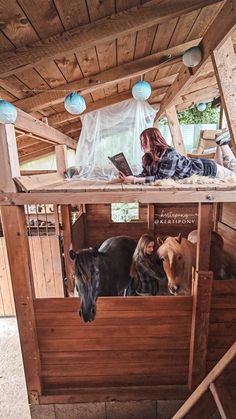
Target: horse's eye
(179, 257)
(162, 258)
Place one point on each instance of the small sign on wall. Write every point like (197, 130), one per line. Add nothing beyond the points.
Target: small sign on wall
(170, 219)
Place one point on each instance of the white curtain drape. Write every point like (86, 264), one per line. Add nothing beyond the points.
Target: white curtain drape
(109, 131)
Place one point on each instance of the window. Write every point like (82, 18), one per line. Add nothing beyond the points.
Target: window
(123, 213)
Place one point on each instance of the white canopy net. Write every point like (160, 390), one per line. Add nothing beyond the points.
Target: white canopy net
(109, 131)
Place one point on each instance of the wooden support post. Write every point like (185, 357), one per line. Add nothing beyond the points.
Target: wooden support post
(61, 159)
(9, 158)
(222, 121)
(224, 62)
(202, 289)
(175, 130)
(16, 237)
(150, 218)
(205, 225)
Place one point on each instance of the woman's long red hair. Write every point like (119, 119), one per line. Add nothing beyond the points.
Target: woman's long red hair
(157, 142)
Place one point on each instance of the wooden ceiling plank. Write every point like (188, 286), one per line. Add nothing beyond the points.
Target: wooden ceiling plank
(88, 62)
(103, 30)
(203, 21)
(43, 17)
(105, 78)
(224, 62)
(183, 28)
(99, 9)
(214, 38)
(106, 55)
(5, 44)
(15, 86)
(125, 54)
(163, 35)
(15, 24)
(144, 42)
(28, 123)
(51, 74)
(72, 13)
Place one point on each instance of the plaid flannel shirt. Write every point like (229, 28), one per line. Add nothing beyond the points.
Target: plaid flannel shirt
(173, 165)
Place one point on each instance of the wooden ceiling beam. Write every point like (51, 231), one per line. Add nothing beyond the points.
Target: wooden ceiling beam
(106, 78)
(203, 95)
(215, 36)
(36, 153)
(104, 30)
(28, 123)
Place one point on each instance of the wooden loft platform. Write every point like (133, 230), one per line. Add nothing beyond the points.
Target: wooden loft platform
(52, 188)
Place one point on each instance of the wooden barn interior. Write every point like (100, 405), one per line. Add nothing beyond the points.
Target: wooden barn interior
(156, 351)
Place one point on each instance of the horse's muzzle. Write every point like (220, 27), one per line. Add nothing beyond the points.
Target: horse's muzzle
(88, 315)
(174, 289)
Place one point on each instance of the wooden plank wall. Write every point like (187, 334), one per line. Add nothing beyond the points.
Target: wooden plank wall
(222, 329)
(227, 228)
(133, 341)
(100, 225)
(7, 306)
(167, 220)
(78, 232)
(47, 271)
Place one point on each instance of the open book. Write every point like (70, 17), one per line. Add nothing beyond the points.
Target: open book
(121, 164)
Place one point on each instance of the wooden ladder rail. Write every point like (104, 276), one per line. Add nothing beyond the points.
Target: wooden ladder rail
(208, 383)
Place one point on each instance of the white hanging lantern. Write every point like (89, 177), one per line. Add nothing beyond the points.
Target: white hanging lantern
(141, 90)
(8, 112)
(192, 57)
(201, 107)
(74, 103)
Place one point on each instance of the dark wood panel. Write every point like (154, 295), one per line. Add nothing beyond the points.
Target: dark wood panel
(172, 357)
(107, 343)
(119, 318)
(223, 315)
(228, 329)
(91, 331)
(222, 302)
(104, 369)
(224, 287)
(119, 304)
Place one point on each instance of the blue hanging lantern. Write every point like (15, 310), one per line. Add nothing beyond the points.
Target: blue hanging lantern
(192, 57)
(201, 107)
(141, 90)
(8, 112)
(74, 103)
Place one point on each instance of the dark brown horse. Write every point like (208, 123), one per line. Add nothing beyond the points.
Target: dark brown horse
(102, 272)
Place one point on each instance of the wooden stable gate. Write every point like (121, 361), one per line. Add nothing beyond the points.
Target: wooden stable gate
(47, 271)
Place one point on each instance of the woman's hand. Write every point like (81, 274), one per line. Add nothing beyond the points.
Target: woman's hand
(126, 179)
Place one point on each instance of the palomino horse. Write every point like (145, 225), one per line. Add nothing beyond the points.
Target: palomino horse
(178, 256)
(102, 272)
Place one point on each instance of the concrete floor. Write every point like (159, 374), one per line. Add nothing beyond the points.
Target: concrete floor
(13, 396)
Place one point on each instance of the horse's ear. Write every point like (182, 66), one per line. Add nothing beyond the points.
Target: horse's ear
(72, 254)
(160, 241)
(179, 238)
(95, 252)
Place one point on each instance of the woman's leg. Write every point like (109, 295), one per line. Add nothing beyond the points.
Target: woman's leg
(218, 156)
(229, 160)
(222, 172)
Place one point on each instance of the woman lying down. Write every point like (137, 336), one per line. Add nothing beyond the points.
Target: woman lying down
(161, 161)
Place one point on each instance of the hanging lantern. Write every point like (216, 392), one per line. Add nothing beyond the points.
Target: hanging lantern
(201, 107)
(8, 112)
(192, 57)
(74, 103)
(141, 90)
